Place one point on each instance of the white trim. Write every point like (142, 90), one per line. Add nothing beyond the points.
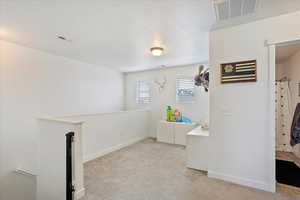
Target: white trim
(62, 118)
(271, 44)
(282, 41)
(272, 121)
(170, 66)
(112, 149)
(241, 181)
(80, 193)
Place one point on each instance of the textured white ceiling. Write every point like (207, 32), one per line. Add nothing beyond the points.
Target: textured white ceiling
(119, 33)
(112, 33)
(264, 9)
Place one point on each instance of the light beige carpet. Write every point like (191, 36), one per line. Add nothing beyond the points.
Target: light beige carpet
(149, 170)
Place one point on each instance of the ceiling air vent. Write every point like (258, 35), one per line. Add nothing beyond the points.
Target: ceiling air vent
(226, 9)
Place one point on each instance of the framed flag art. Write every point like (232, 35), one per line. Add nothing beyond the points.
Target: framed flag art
(244, 71)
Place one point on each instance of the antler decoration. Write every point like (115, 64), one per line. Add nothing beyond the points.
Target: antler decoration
(202, 79)
(162, 84)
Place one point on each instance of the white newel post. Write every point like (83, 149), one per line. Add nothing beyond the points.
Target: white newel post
(51, 176)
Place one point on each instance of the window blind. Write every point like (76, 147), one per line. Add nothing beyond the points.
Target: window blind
(143, 93)
(185, 89)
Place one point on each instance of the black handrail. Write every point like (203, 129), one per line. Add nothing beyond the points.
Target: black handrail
(69, 178)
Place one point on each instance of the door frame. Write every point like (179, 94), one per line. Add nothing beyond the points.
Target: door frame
(271, 44)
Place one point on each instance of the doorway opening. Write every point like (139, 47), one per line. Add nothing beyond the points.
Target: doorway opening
(287, 115)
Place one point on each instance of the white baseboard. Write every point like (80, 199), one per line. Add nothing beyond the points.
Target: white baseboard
(111, 149)
(80, 193)
(242, 181)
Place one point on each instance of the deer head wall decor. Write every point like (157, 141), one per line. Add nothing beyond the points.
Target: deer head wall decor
(161, 84)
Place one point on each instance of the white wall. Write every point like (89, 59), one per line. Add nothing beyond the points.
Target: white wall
(107, 132)
(197, 111)
(291, 69)
(34, 84)
(242, 148)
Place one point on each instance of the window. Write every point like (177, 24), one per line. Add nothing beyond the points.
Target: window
(185, 89)
(143, 95)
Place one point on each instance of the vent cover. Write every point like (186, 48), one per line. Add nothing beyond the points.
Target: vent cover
(226, 9)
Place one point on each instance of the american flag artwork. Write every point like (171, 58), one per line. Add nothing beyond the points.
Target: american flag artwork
(244, 71)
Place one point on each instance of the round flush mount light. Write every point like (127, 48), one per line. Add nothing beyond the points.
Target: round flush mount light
(156, 51)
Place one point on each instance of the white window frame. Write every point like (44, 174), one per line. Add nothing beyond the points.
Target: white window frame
(138, 98)
(188, 78)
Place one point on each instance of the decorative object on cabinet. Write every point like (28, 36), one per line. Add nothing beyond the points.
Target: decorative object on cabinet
(186, 120)
(170, 113)
(176, 116)
(204, 125)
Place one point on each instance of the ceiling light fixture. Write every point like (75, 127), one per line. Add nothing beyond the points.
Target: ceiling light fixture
(156, 51)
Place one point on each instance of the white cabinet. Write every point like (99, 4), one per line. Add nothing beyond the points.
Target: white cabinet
(165, 133)
(197, 149)
(173, 132)
(180, 131)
